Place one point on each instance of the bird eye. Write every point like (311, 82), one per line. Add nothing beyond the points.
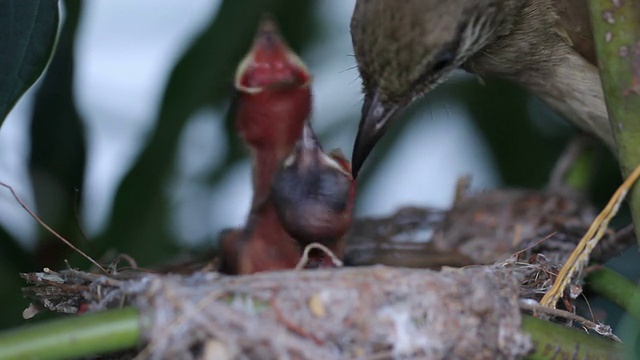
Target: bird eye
(442, 60)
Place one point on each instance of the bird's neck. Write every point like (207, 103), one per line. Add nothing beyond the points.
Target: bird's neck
(266, 163)
(525, 44)
(575, 91)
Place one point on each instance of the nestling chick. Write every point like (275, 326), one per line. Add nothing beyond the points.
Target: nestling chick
(266, 246)
(272, 103)
(406, 48)
(314, 194)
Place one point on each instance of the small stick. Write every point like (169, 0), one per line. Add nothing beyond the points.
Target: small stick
(604, 330)
(517, 254)
(567, 160)
(36, 218)
(305, 255)
(281, 318)
(580, 255)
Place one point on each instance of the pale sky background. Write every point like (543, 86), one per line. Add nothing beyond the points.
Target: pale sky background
(124, 53)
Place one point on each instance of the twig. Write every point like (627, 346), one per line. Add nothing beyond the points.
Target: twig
(304, 260)
(517, 254)
(565, 163)
(602, 329)
(36, 218)
(281, 318)
(76, 218)
(622, 235)
(113, 267)
(580, 255)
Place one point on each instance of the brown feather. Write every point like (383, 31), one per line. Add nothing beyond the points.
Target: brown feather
(542, 45)
(573, 19)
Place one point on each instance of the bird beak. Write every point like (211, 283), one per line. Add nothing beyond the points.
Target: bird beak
(306, 153)
(308, 140)
(376, 116)
(270, 63)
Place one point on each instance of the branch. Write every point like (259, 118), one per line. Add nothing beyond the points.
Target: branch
(618, 289)
(79, 336)
(616, 31)
(553, 341)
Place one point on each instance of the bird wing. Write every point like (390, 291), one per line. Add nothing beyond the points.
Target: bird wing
(574, 24)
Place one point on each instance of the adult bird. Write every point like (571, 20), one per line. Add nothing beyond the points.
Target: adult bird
(406, 48)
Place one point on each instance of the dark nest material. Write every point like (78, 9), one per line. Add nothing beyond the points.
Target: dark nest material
(366, 312)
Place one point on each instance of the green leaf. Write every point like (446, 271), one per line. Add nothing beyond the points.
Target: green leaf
(29, 31)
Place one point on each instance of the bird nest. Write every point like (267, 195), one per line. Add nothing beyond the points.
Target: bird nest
(358, 312)
(369, 312)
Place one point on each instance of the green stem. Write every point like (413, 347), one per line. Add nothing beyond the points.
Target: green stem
(121, 329)
(618, 289)
(616, 31)
(74, 337)
(553, 341)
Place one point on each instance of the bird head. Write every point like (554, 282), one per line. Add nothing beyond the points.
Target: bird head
(314, 193)
(406, 48)
(273, 95)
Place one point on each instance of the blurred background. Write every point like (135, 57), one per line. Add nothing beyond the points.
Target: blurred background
(124, 144)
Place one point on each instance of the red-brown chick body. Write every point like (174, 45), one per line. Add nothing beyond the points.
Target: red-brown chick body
(263, 245)
(272, 105)
(266, 246)
(314, 196)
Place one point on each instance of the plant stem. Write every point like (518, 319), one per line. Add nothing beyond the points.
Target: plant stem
(616, 31)
(73, 337)
(618, 289)
(553, 341)
(121, 329)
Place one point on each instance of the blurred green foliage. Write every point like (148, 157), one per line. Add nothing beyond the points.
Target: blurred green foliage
(29, 32)
(202, 76)
(57, 153)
